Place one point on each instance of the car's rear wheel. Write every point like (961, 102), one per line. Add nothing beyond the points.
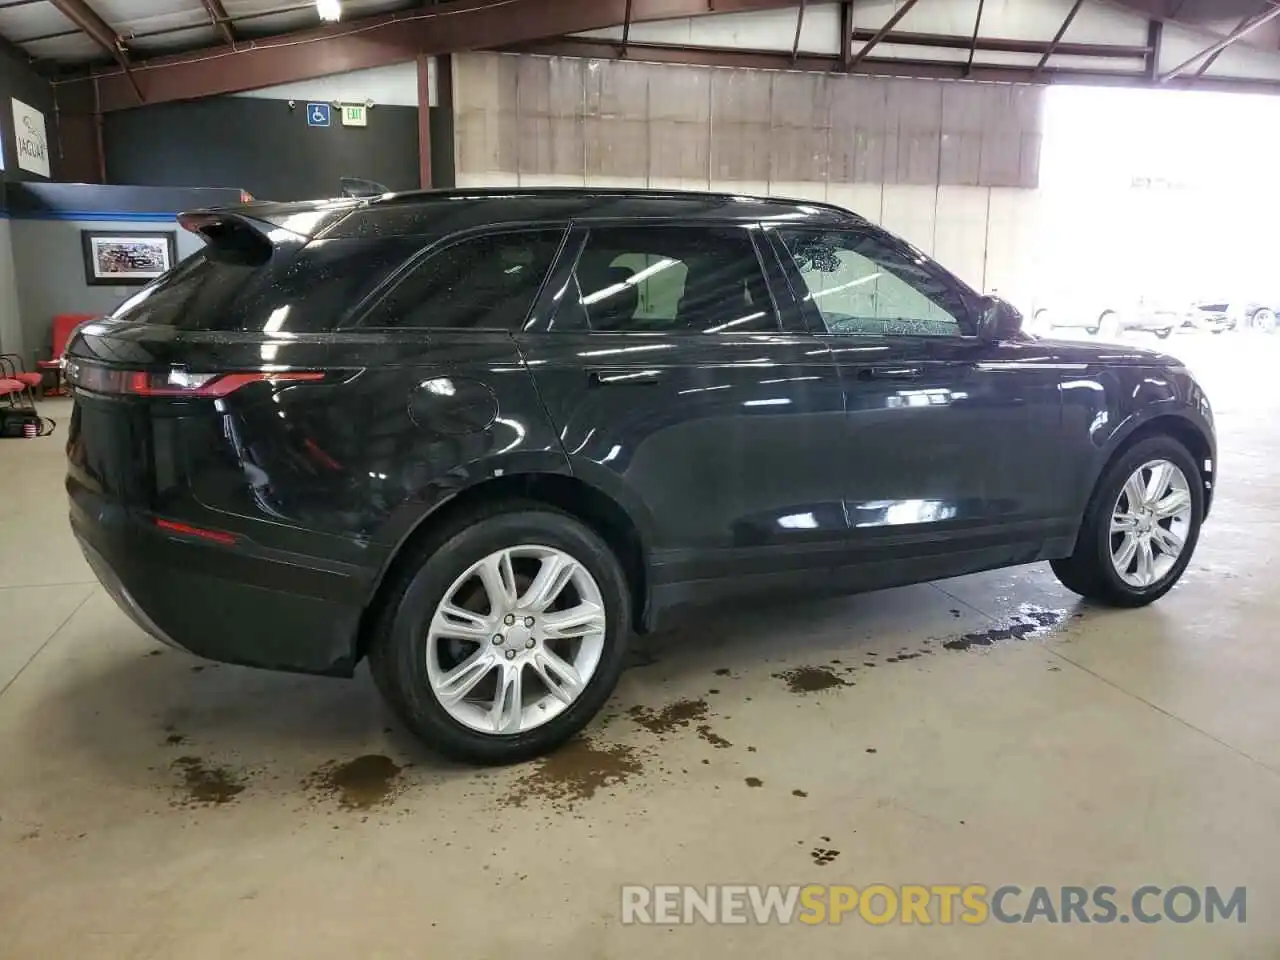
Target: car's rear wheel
(1265, 320)
(1108, 325)
(1140, 527)
(1164, 334)
(507, 635)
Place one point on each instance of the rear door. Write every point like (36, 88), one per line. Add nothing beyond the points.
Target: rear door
(951, 457)
(680, 387)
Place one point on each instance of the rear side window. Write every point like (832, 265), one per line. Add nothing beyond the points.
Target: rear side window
(267, 290)
(481, 283)
(660, 279)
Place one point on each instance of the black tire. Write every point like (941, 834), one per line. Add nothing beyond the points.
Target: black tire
(1108, 325)
(397, 651)
(1089, 570)
(1164, 334)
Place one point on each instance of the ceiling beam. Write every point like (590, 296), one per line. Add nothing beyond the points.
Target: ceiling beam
(885, 67)
(795, 46)
(88, 20)
(973, 43)
(882, 32)
(1210, 61)
(218, 14)
(365, 42)
(1238, 34)
(1005, 45)
(1057, 37)
(846, 34)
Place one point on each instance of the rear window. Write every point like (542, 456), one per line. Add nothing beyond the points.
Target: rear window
(235, 288)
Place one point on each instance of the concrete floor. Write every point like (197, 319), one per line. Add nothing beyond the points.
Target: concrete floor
(154, 805)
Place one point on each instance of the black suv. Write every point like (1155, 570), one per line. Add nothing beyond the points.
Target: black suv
(480, 437)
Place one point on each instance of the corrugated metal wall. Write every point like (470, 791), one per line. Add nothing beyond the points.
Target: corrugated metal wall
(948, 166)
(546, 116)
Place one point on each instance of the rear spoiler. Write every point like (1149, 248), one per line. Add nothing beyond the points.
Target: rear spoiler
(272, 222)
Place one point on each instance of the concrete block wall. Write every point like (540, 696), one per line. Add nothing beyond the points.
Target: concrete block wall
(951, 167)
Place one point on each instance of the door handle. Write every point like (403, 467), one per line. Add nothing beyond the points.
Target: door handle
(890, 372)
(624, 377)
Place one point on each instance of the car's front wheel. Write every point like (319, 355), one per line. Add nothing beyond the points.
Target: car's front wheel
(1140, 527)
(507, 637)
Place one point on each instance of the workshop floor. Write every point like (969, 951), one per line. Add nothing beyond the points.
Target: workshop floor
(155, 805)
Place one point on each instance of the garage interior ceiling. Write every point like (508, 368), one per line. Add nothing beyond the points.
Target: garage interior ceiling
(1223, 43)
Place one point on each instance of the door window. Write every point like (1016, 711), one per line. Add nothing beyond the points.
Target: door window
(860, 284)
(487, 282)
(673, 280)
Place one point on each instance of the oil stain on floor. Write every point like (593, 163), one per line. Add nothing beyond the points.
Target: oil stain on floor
(1030, 622)
(204, 785)
(360, 784)
(575, 773)
(670, 718)
(811, 679)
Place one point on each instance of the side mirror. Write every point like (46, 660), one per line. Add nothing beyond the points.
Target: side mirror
(998, 319)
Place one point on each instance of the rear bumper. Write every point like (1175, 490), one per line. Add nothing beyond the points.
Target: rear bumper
(223, 603)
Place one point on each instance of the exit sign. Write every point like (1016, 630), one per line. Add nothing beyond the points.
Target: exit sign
(354, 115)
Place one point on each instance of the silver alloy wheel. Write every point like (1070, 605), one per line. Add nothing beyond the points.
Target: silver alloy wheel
(1265, 320)
(1150, 523)
(516, 639)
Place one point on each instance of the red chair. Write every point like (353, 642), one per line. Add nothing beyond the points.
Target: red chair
(64, 324)
(11, 368)
(12, 389)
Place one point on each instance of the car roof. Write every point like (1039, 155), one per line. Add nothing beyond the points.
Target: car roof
(442, 212)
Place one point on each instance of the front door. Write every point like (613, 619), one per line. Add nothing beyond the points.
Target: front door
(952, 452)
(682, 389)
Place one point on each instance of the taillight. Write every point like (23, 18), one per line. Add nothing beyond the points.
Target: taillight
(176, 382)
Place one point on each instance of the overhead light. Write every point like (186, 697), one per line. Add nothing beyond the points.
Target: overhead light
(329, 9)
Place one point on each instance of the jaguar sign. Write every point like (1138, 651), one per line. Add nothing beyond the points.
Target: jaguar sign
(31, 138)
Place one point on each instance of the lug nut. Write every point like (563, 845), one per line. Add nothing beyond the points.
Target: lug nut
(511, 654)
(509, 619)
(497, 639)
(528, 644)
(528, 621)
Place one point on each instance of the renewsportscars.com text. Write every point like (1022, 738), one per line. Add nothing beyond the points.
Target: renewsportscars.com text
(941, 904)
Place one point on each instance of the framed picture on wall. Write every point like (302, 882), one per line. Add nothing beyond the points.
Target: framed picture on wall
(127, 257)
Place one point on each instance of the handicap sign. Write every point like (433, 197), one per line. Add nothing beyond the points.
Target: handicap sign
(317, 114)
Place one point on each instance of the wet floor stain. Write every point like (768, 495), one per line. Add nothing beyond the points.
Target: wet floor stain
(955, 613)
(905, 656)
(154, 653)
(574, 773)
(799, 793)
(722, 672)
(670, 718)
(1030, 622)
(175, 739)
(871, 749)
(823, 855)
(205, 785)
(811, 679)
(360, 784)
(754, 782)
(713, 738)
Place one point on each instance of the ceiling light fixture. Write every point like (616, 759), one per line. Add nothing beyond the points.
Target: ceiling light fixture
(329, 9)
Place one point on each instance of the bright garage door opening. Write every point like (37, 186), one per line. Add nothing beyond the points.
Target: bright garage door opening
(1156, 200)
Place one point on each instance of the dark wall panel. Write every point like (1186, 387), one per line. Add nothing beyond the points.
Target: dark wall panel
(18, 80)
(259, 145)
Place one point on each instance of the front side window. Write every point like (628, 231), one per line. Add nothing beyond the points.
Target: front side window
(861, 285)
(659, 279)
(487, 282)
